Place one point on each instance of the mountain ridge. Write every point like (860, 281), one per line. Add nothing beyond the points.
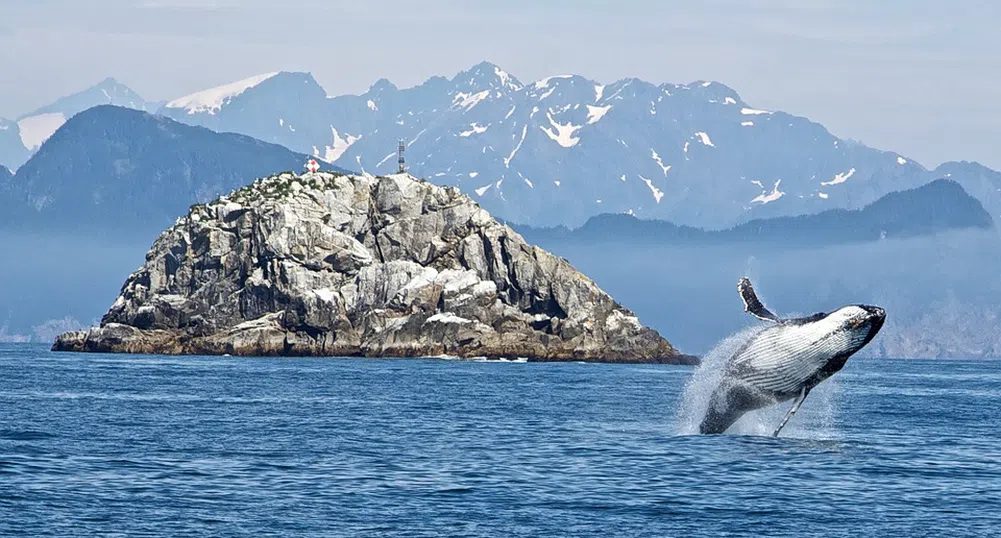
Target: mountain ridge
(564, 148)
(22, 138)
(937, 206)
(117, 170)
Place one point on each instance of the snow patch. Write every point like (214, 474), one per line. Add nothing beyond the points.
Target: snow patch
(764, 198)
(482, 190)
(822, 195)
(747, 123)
(544, 83)
(340, 145)
(416, 137)
(475, 129)
(659, 162)
(563, 134)
(704, 138)
(384, 159)
(657, 193)
(753, 111)
(213, 99)
(595, 113)
(473, 174)
(467, 101)
(509, 112)
(839, 178)
(557, 182)
(371, 105)
(599, 89)
(35, 130)
(505, 79)
(901, 160)
(729, 101)
(507, 160)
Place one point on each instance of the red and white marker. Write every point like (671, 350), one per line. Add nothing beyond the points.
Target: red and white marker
(312, 166)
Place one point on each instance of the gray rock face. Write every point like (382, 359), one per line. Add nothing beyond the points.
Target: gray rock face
(327, 264)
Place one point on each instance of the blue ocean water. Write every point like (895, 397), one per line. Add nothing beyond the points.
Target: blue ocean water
(102, 445)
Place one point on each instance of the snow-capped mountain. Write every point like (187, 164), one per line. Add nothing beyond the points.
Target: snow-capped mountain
(19, 140)
(564, 148)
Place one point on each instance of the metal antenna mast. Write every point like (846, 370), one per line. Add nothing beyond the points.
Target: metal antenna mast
(401, 160)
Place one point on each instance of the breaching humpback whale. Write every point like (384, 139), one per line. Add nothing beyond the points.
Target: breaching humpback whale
(785, 361)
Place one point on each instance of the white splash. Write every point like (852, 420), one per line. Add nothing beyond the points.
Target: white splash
(770, 197)
(839, 178)
(595, 113)
(657, 193)
(213, 99)
(815, 420)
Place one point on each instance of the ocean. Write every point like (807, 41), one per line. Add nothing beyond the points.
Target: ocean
(128, 445)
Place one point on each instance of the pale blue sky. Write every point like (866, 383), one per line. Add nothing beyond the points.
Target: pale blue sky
(919, 76)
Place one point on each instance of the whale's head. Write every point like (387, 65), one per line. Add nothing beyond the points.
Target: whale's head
(858, 324)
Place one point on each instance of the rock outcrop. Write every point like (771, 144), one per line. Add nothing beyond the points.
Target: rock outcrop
(334, 265)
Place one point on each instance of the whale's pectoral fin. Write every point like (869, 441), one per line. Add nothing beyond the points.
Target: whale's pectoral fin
(751, 302)
(792, 410)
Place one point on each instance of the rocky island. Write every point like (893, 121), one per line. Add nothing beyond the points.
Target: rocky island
(325, 264)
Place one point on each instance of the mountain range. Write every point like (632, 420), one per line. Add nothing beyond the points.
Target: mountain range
(115, 169)
(936, 207)
(562, 149)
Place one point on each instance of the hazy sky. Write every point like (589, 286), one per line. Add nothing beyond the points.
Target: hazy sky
(915, 76)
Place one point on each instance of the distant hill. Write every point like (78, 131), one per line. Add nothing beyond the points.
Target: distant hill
(115, 169)
(18, 140)
(938, 206)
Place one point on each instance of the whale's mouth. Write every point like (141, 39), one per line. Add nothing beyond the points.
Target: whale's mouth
(876, 318)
